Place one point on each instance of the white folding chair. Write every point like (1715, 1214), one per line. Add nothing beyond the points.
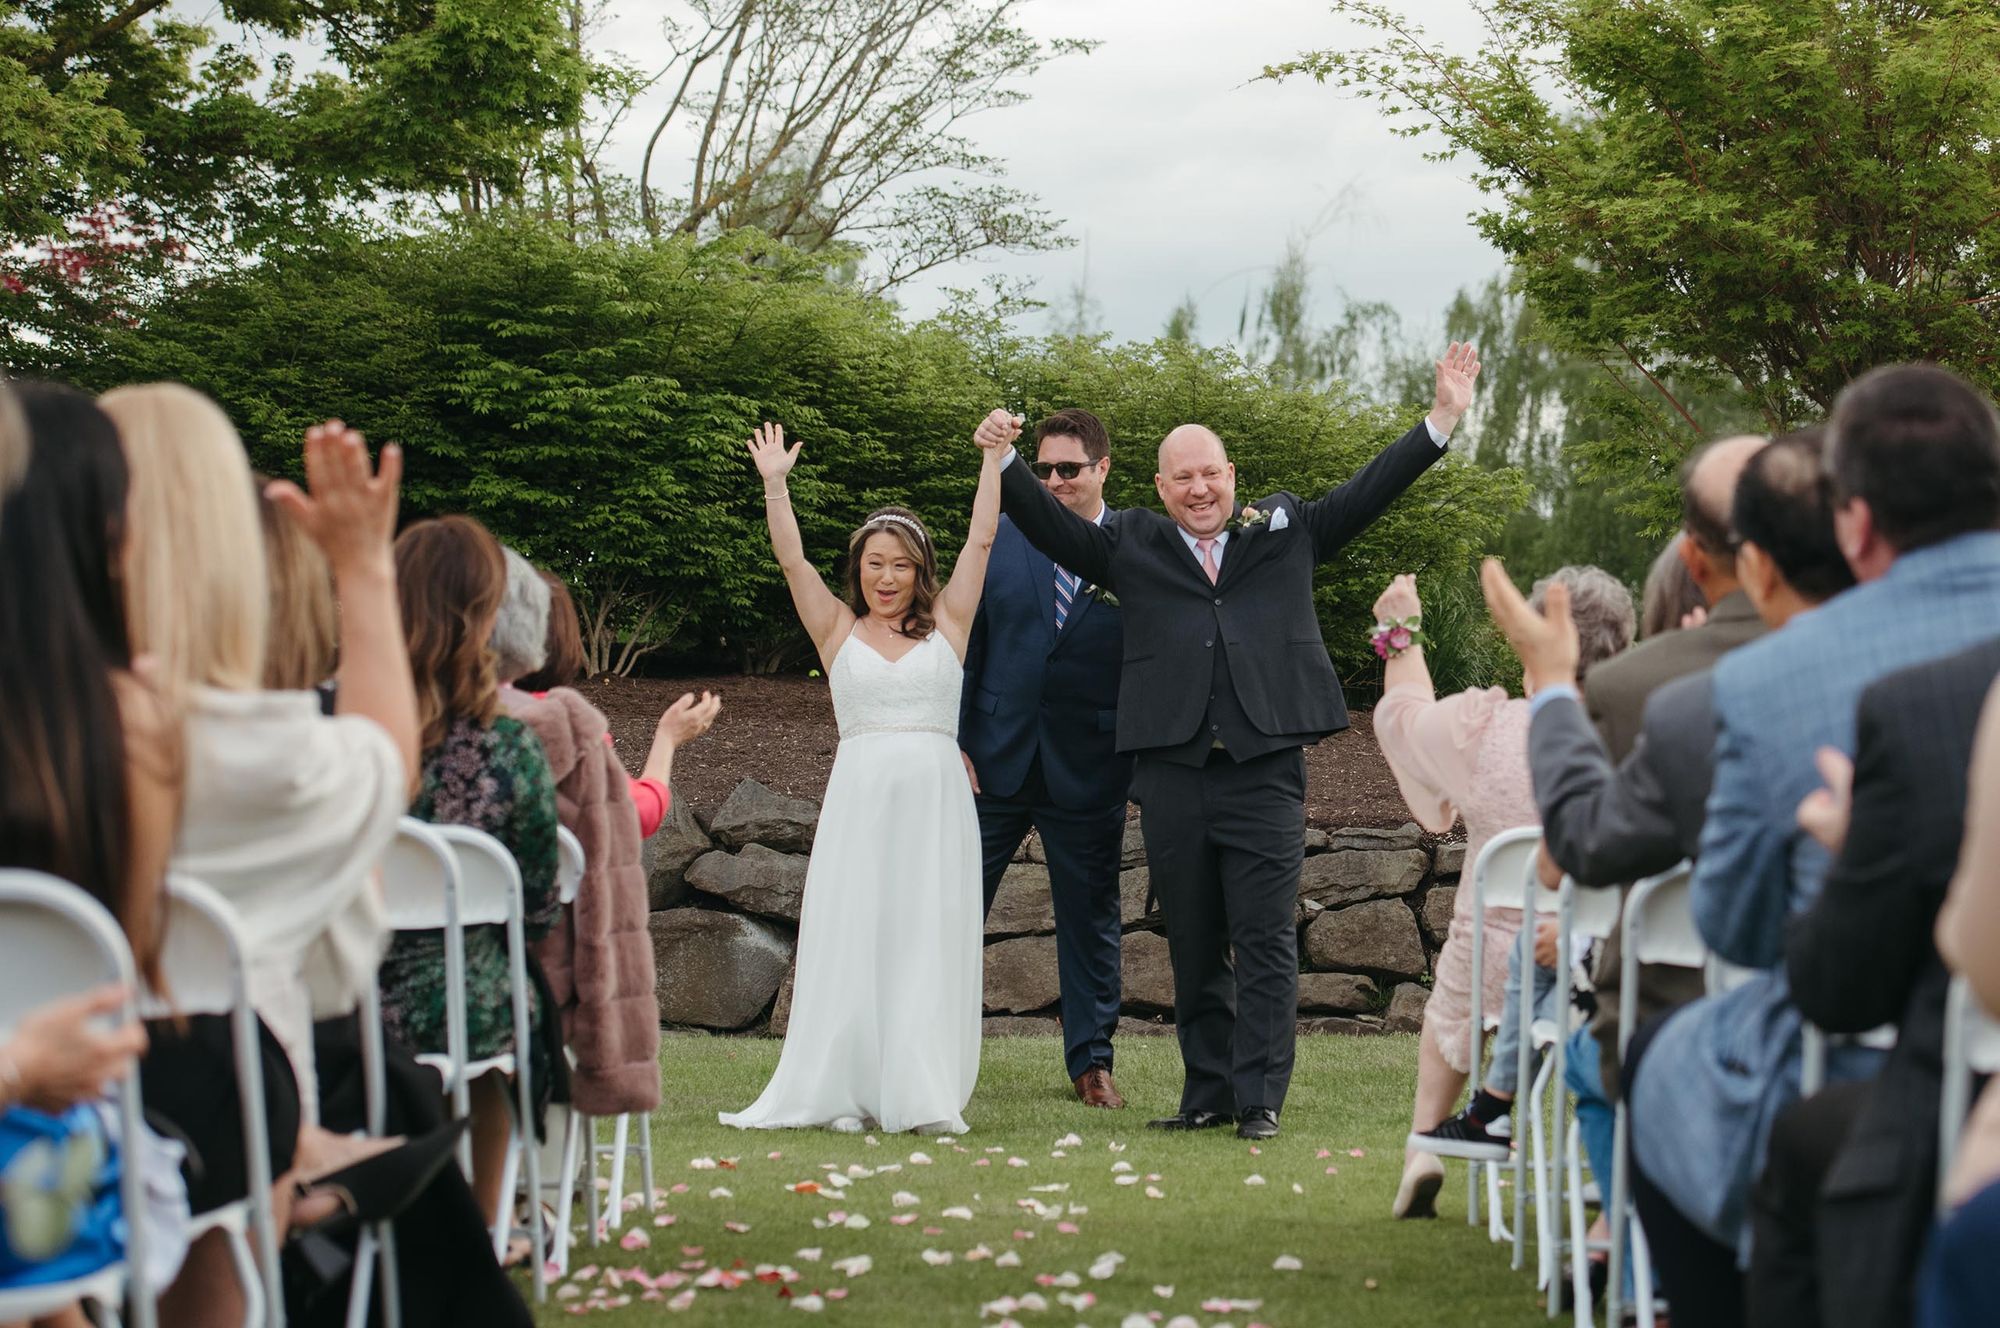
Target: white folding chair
(1590, 912)
(57, 941)
(204, 960)
(420, 890)
(1971, 1046)
(489, 894)
(375, 1253)
(1659, 929)
(1503, 876)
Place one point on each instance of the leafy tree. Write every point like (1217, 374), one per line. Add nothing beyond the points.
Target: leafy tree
(1722, 204)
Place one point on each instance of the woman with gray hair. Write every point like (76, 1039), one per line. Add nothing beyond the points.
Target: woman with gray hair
(1467, 755)
(521, 628)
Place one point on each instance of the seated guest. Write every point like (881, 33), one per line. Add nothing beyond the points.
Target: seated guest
(484, 769)
(1958, 1287)
(1672, 598)
(1608, 826)
(680, 723)
(1913, 456)
(1469, 753)
(89, 788)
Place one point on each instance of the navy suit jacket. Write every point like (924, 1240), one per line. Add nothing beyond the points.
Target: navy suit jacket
(1030, 690)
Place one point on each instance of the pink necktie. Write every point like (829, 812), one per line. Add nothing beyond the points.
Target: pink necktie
(1207, 547)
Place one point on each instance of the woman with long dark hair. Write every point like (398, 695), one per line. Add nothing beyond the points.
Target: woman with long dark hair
(885, 1011)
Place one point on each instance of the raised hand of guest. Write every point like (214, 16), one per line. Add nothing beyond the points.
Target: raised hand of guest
(1546, 643)
(348, 507)
(1456, 373)
(999, 429)
(1399, 600)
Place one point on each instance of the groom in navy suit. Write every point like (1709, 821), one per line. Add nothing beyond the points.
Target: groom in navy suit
(1038, 729)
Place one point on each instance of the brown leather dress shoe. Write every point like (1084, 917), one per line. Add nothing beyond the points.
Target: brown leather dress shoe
(1095, 1089)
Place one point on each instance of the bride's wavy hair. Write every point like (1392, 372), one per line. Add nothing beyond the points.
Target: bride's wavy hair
(902, 525)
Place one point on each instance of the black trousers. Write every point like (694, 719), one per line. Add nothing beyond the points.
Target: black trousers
(1224, 843)
(1783, 1286)
(1082, 848)
(1696, 1272)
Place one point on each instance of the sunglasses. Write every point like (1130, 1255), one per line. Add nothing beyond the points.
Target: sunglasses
(1069, 470)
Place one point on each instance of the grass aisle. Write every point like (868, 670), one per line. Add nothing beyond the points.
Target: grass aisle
(943, 1237)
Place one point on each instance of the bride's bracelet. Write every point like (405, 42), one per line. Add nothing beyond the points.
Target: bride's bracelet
(782, 493)
(1393, 636)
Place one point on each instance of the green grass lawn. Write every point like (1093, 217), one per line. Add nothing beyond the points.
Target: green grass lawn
(1196, 1226)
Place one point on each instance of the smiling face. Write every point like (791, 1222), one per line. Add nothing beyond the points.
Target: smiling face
(892, 572)
(1196, 480)
(888, 575)
(1084, 494)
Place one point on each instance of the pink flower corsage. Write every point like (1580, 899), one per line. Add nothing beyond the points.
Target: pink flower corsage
(1392, 637)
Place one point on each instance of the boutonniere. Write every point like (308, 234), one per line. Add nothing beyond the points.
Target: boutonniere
(1250, 518)
(1103, 596)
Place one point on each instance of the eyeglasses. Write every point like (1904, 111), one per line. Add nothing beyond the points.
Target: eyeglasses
(1069, 470)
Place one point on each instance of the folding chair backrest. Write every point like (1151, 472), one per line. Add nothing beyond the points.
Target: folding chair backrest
(203, 955)
(419, 877)
(1594, 910)
(1505, 867)
(56, 941)
(1659, 921)
(569, 864)
(489, 880)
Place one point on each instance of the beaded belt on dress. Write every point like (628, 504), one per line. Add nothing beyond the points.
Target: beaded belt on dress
(865, 730)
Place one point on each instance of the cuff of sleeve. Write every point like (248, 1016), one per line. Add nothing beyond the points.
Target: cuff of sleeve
(1542, 698)
(1438, 436)
(1007, 459)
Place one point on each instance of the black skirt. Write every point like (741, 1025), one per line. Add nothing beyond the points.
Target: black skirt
(187, 1081)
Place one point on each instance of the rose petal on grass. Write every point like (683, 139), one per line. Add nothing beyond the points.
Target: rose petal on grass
(721, 1192)
(871, 1141)
(1003, 1306)
(1058, 1153)
(920, 1159)
(856, 1222)
(1057, 1187)
(854, 1265)
(701, 1164)
(568, 1291)
(982, 1162)
(933, 1231)
(959, 1211)
(1324, 1152)
(1253, 1180)
(1298, 1188)
(810, 1304)
(773, 1157)
(977, 1253)
(1369, 1283)
(1067, 1228)
(858, 1172)
(903, 1199)
(1286, 1263)
(1255, 1150)
(1357, 1152)
(1165, 1292)
(806, 1187)
(1007, 1259)
(810, 1254)
(902, 1219)
(937, 1258)
(1333, 1171)
(1125, 1180)
(1155, 1192)
(682, 1301)
(1017, 1161)
(738, 1227)
(1077, 1300)
(678, 1188)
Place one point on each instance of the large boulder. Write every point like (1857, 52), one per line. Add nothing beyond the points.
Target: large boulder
(755, 815)
(1406, 835)
(755, 880)
(781, 1008)
(1022, 906)
(1451, 859)
(1439, 903)
(669, 853)
(1133, 883)
(1021, 975)
(1336, 993)
(1350, 875)
(1146, 972)
(1018, 1025)
(1376, 937)
(1338, 1025)
(1406, 1008)
(718, 970)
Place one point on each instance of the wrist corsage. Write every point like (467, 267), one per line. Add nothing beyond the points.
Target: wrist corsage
(1395, 635)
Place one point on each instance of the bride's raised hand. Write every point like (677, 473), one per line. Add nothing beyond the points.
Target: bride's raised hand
(767, 448)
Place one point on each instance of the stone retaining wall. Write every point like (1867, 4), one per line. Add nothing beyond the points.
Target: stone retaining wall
(725, 890)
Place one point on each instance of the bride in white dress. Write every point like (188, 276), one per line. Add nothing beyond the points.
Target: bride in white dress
(885, 1021)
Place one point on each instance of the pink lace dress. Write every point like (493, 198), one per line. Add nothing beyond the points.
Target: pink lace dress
(1465, 755)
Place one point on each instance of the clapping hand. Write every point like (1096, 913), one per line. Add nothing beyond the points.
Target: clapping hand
(1546, 642)
(1399, 603)
(1456, 373)
(62, 1055)
(999, 429)
(687, 719)
(1825, 811)
(348, 507)
(768, 450)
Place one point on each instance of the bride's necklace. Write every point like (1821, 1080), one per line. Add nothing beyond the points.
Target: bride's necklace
(872, 621)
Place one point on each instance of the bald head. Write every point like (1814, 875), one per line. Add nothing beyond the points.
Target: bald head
(1708, 489)
(1196, 482)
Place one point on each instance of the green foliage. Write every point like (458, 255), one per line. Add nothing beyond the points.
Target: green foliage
(1720, 203)
(591, 403)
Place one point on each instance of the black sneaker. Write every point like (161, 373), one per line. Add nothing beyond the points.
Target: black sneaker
(1461, 1136)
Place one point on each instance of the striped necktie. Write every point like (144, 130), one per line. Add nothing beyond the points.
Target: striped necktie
(1066, 584)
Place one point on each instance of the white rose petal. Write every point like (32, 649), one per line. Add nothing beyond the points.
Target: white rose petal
(854, 1265)
(1286, 1263)
(903, 1199)
(810, 1304)
(937, 1258)
(809, 1255)
(1253, 1180)
(1010, 1259)
(919, 1160)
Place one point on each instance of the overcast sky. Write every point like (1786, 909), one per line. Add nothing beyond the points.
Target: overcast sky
(1178, 174)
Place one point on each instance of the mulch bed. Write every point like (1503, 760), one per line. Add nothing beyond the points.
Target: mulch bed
(779, 731)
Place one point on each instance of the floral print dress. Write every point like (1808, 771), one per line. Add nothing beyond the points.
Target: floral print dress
(492, 778)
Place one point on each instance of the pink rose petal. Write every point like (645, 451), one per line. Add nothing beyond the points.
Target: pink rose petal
(635, 1239)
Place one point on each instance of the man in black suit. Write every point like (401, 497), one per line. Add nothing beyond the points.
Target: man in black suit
(1225, 681)
(1846, 1197)
(1036, 727)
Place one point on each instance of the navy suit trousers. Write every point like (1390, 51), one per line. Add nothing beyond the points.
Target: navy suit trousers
(1082, 849)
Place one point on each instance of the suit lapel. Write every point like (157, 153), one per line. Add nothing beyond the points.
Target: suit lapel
(1041, 574)
(1243, 546)
(1078, 607)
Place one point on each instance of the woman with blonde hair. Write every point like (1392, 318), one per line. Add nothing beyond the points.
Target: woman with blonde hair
(885, 1010)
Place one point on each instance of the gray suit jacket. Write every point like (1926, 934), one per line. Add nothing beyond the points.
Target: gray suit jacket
(1608, 825)
(1615, 693)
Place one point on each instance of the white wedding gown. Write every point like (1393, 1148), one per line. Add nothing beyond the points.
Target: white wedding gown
(885, 1021)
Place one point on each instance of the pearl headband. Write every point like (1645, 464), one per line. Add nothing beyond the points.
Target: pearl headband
(922, 534)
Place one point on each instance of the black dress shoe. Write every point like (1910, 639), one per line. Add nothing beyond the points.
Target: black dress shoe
(1257, 1123)
(1189, 1120)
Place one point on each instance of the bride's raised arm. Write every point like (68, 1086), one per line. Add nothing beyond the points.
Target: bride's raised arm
(826, 620)
(958, 604)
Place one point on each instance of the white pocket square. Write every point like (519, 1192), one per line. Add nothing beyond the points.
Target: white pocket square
(1280, 519)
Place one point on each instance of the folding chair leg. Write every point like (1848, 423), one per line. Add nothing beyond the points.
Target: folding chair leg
(531, 1149)
(1642, 1275)
(1545, 1259)
(646, 1155)
(362, 1287)
(510, 1175)
(618, 1137)
(392, 1280)
(1579, 1231)
(1618, 1212)
(248, 1279)
(566, 1192)
(593, 1215)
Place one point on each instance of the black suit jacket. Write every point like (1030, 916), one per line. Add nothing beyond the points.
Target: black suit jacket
(1031, 691)
(1862, 956)
(1260, 609)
